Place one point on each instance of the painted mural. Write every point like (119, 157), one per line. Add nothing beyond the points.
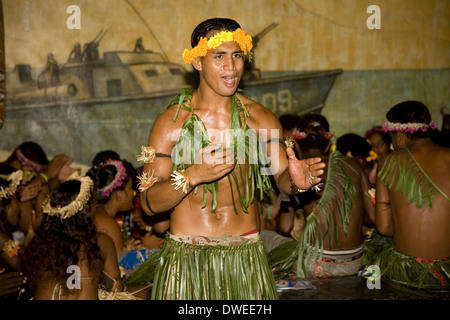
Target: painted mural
(85, 76)
(96, 99)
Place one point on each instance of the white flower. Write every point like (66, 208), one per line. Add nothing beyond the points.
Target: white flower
(147, 154)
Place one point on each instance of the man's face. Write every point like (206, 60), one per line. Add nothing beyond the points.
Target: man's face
(222, 68)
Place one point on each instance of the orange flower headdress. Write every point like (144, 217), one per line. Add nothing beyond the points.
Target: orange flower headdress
(200, 50)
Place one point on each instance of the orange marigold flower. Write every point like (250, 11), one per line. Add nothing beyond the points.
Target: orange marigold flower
(11, 248)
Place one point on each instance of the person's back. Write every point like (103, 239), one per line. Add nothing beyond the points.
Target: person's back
(411, 244)
(422, 231)
(348, 234)
(335, 212)
(66, 258)
(89, 282)
(87, 290)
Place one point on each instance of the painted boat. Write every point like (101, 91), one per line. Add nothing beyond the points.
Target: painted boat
(86, 106)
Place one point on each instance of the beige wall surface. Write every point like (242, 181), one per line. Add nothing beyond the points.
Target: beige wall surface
(311, 34)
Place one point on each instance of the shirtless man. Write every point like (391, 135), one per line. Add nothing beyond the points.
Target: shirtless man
(412, 200)
(336, 213)
(197, 225)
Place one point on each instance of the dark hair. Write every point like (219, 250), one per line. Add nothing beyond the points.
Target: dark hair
(104, 174)
(289, 121)
(32, 151)
(355, 144)
(316, 128)
(411, 112)
(104, 156)
(204, 27)
(57, 242)
(6, 169)
(212, 24)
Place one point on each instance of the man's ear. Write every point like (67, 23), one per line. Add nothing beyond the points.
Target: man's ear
(401, 139)
(197, 64)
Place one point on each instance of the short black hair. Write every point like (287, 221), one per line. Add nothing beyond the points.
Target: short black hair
(411, 112)
(212, 24)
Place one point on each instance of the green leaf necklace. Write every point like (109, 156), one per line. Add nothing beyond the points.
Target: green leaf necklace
(244, 140)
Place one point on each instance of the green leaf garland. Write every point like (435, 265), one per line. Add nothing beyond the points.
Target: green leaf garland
(245, 143)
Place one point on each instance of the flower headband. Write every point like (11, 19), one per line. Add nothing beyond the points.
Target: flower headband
(121, 174)
(200, 50)
(372, 131)
(15, 178)
(299, 135)
(77, 204)
(27, 163)
(371, 157)
(410, 127)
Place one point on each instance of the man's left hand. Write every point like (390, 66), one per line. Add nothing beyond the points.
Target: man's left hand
(304, 173)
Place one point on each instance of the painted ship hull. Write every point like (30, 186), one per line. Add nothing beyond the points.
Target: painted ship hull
(80, 117)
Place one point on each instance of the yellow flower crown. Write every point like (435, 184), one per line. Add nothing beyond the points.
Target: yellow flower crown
(200, 50)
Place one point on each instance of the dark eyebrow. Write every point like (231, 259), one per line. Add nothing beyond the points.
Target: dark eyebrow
(224, 52)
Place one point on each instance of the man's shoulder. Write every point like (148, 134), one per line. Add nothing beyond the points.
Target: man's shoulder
(259, 115)
(170, 118)
(251, 104)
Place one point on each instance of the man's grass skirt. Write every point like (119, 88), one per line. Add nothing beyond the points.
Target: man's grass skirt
(213, 268)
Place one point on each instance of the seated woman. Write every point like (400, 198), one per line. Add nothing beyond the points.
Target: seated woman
(67, 258)
(114, 185)
(114, 190)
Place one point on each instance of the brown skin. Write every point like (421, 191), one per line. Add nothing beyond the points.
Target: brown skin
(103, 217)
(159, 225)
(220, 72)
(10, 282)
(89, 287)
(363, 208)
(35, 192)
(418, 232)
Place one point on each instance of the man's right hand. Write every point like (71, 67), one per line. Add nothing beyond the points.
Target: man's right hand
(211, 164)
